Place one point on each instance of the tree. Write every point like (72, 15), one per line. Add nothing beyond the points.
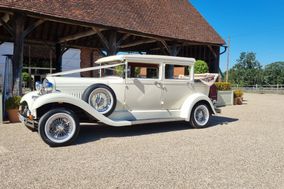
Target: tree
(200, 67)
(247, 71)
(274, 73)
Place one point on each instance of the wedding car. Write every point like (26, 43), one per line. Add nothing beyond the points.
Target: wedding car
(121, 90)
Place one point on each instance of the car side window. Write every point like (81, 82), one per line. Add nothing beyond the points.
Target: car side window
(177, 72)
(145, 71)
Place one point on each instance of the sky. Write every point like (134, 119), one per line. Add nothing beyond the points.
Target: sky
(253, 26)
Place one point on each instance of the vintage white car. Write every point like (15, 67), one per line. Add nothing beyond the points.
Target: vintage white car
(120, 90)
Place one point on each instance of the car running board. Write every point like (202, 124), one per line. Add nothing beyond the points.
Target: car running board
(148, 121)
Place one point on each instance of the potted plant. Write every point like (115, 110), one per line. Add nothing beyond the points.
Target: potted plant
(12, 106)
(238, 97)
(225, 94)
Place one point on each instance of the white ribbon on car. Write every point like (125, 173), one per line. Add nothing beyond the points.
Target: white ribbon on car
(85, 69)
(207, 78)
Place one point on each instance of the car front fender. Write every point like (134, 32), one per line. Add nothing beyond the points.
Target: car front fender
(191, 101)
(62, 98)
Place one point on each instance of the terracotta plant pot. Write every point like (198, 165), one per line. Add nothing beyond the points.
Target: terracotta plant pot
(13, 115)
(238, 101)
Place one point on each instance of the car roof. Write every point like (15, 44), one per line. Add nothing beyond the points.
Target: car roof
(151, 59)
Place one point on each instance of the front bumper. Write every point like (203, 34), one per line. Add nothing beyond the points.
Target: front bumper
(32, 124)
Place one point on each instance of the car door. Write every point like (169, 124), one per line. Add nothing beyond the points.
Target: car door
(176, 87)
(143, 90)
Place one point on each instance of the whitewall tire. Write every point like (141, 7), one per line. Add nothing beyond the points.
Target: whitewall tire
(58, 127)
(200, 115)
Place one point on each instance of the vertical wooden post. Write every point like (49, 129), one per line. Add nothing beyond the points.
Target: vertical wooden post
(18, 53)
(58, 53)
(112, 43)
(217, 61)
(113, 48)
(50, 61)
(214, 64)
(173, 51)
(30, 71)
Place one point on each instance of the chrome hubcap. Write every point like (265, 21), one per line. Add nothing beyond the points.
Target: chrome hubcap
(60, 127)
(101, 99)
(201, 115)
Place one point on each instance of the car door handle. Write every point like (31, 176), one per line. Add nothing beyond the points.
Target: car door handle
(157, 83)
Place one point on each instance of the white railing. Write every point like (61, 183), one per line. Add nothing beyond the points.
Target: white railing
(262, 88)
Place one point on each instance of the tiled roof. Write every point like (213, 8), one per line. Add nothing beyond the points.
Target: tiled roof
(176, 19)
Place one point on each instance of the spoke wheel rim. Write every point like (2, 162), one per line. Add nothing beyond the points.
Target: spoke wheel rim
(201, 115)
(60, 127)
(101, 100)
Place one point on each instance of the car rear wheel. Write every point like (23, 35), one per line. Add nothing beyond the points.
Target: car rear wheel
(101, 97)
(58, 127)
(200, 115)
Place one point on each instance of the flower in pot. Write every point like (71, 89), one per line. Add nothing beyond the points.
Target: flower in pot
(12, 106)
(238, 97)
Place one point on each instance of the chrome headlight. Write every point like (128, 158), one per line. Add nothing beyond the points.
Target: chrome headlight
(47, 86)
(38, 86)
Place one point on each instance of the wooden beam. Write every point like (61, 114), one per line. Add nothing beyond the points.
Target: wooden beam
(160, 47)
(32, 27)
(212, 51)
(102, 38)
(64, 50)
(78, 35)
(123, 38)
(141, 35)
(136, 43)
(5, 18)
(164, 43)
(3, 22)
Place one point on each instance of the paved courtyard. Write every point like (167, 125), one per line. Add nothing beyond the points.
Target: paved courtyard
(243, 148)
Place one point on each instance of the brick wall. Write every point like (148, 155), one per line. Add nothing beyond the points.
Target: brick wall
(88, 57)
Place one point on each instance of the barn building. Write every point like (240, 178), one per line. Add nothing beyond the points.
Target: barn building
(44, 30)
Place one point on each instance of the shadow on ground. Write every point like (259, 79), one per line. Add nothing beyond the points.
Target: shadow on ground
(89, 133)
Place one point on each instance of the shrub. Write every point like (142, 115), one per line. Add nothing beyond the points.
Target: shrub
(13, 102)
(238, 93)
(223, 86)
(26, 76)
(200, 67)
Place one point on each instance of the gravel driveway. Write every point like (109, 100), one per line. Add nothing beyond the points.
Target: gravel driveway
(243, 148)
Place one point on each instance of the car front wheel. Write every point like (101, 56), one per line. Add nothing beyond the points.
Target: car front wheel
(200, 116)
(58, 127)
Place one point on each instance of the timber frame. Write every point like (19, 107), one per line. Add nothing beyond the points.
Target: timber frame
(21, 28)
